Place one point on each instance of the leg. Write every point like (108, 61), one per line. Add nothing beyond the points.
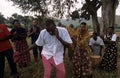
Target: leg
(2, 64)
(70, 53)
(35, 53)
(40, 50)
(9, 56)
(47, 67)
(64, 51)
(60, 70)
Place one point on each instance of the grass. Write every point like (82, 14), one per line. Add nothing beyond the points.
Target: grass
(35, 70)
(116, 29)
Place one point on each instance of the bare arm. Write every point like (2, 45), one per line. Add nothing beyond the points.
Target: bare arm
(30, 48)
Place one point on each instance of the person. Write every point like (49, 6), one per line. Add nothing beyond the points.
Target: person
(81, 60)
(61, 25)
(20, 43)
(109, 60)
(53, 39)
(71, 31)
(34, 33)
(96, 44)
(6, 51)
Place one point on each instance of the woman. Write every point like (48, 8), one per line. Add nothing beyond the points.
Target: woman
(81, 59)
(109, 60)
(20, 43)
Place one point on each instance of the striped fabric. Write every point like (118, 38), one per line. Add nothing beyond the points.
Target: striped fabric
(21, 46)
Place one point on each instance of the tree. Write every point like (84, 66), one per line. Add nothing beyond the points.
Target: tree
(38, 6)
(53, 8)
(25, 21)
(2, 18)
(108, 14)
(90, 8)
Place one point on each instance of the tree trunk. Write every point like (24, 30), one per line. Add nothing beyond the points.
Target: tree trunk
(96, 25)
(108, 14)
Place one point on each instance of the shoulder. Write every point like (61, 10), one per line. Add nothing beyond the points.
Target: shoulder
(99, 37)
(43, 31)
(61, 29)
(3, 26)
(91, 38)
(114, 34)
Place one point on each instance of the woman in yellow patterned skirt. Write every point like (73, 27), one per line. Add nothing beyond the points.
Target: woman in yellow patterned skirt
(81, 56)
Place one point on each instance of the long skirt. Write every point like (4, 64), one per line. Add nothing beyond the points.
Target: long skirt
(81, 62)
(109, 60)
(21, 46)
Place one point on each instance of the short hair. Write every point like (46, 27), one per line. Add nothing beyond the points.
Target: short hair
(95, 33)
(48, 22)
(84, 23)
(111, 27)
(71, 25)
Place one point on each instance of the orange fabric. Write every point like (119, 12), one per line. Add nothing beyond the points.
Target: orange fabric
(4, 45)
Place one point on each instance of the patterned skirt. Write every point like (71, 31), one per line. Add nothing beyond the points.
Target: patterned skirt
(109, 60)
(81, 62)
(21, 46)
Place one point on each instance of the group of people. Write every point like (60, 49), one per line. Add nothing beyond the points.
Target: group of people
(85, 45)
(14, 55)
(51, 42)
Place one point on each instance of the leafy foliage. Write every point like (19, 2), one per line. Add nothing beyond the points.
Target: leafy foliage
(90, 7)
(75, 15)
(2, 19)
(54, 8)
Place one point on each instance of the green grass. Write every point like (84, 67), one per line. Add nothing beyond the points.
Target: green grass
(35, 70)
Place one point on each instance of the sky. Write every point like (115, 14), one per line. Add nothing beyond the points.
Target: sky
(7, 9)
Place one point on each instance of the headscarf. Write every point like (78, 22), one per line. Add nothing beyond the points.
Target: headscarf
(83, 37)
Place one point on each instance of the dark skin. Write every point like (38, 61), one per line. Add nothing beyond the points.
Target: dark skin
(95, 38)
(110, 32)
(52, 30)
(34, 26)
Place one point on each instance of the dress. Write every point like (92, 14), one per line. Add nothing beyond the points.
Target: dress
(81, 58)
(20, 45)
(109, 60)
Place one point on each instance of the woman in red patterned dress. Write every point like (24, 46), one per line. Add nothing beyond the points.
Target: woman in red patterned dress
(20, 43)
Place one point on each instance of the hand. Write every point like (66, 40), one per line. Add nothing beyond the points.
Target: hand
(16, 56)
(24, 52)
(15, 34)
(31, 33)
(57, 33)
